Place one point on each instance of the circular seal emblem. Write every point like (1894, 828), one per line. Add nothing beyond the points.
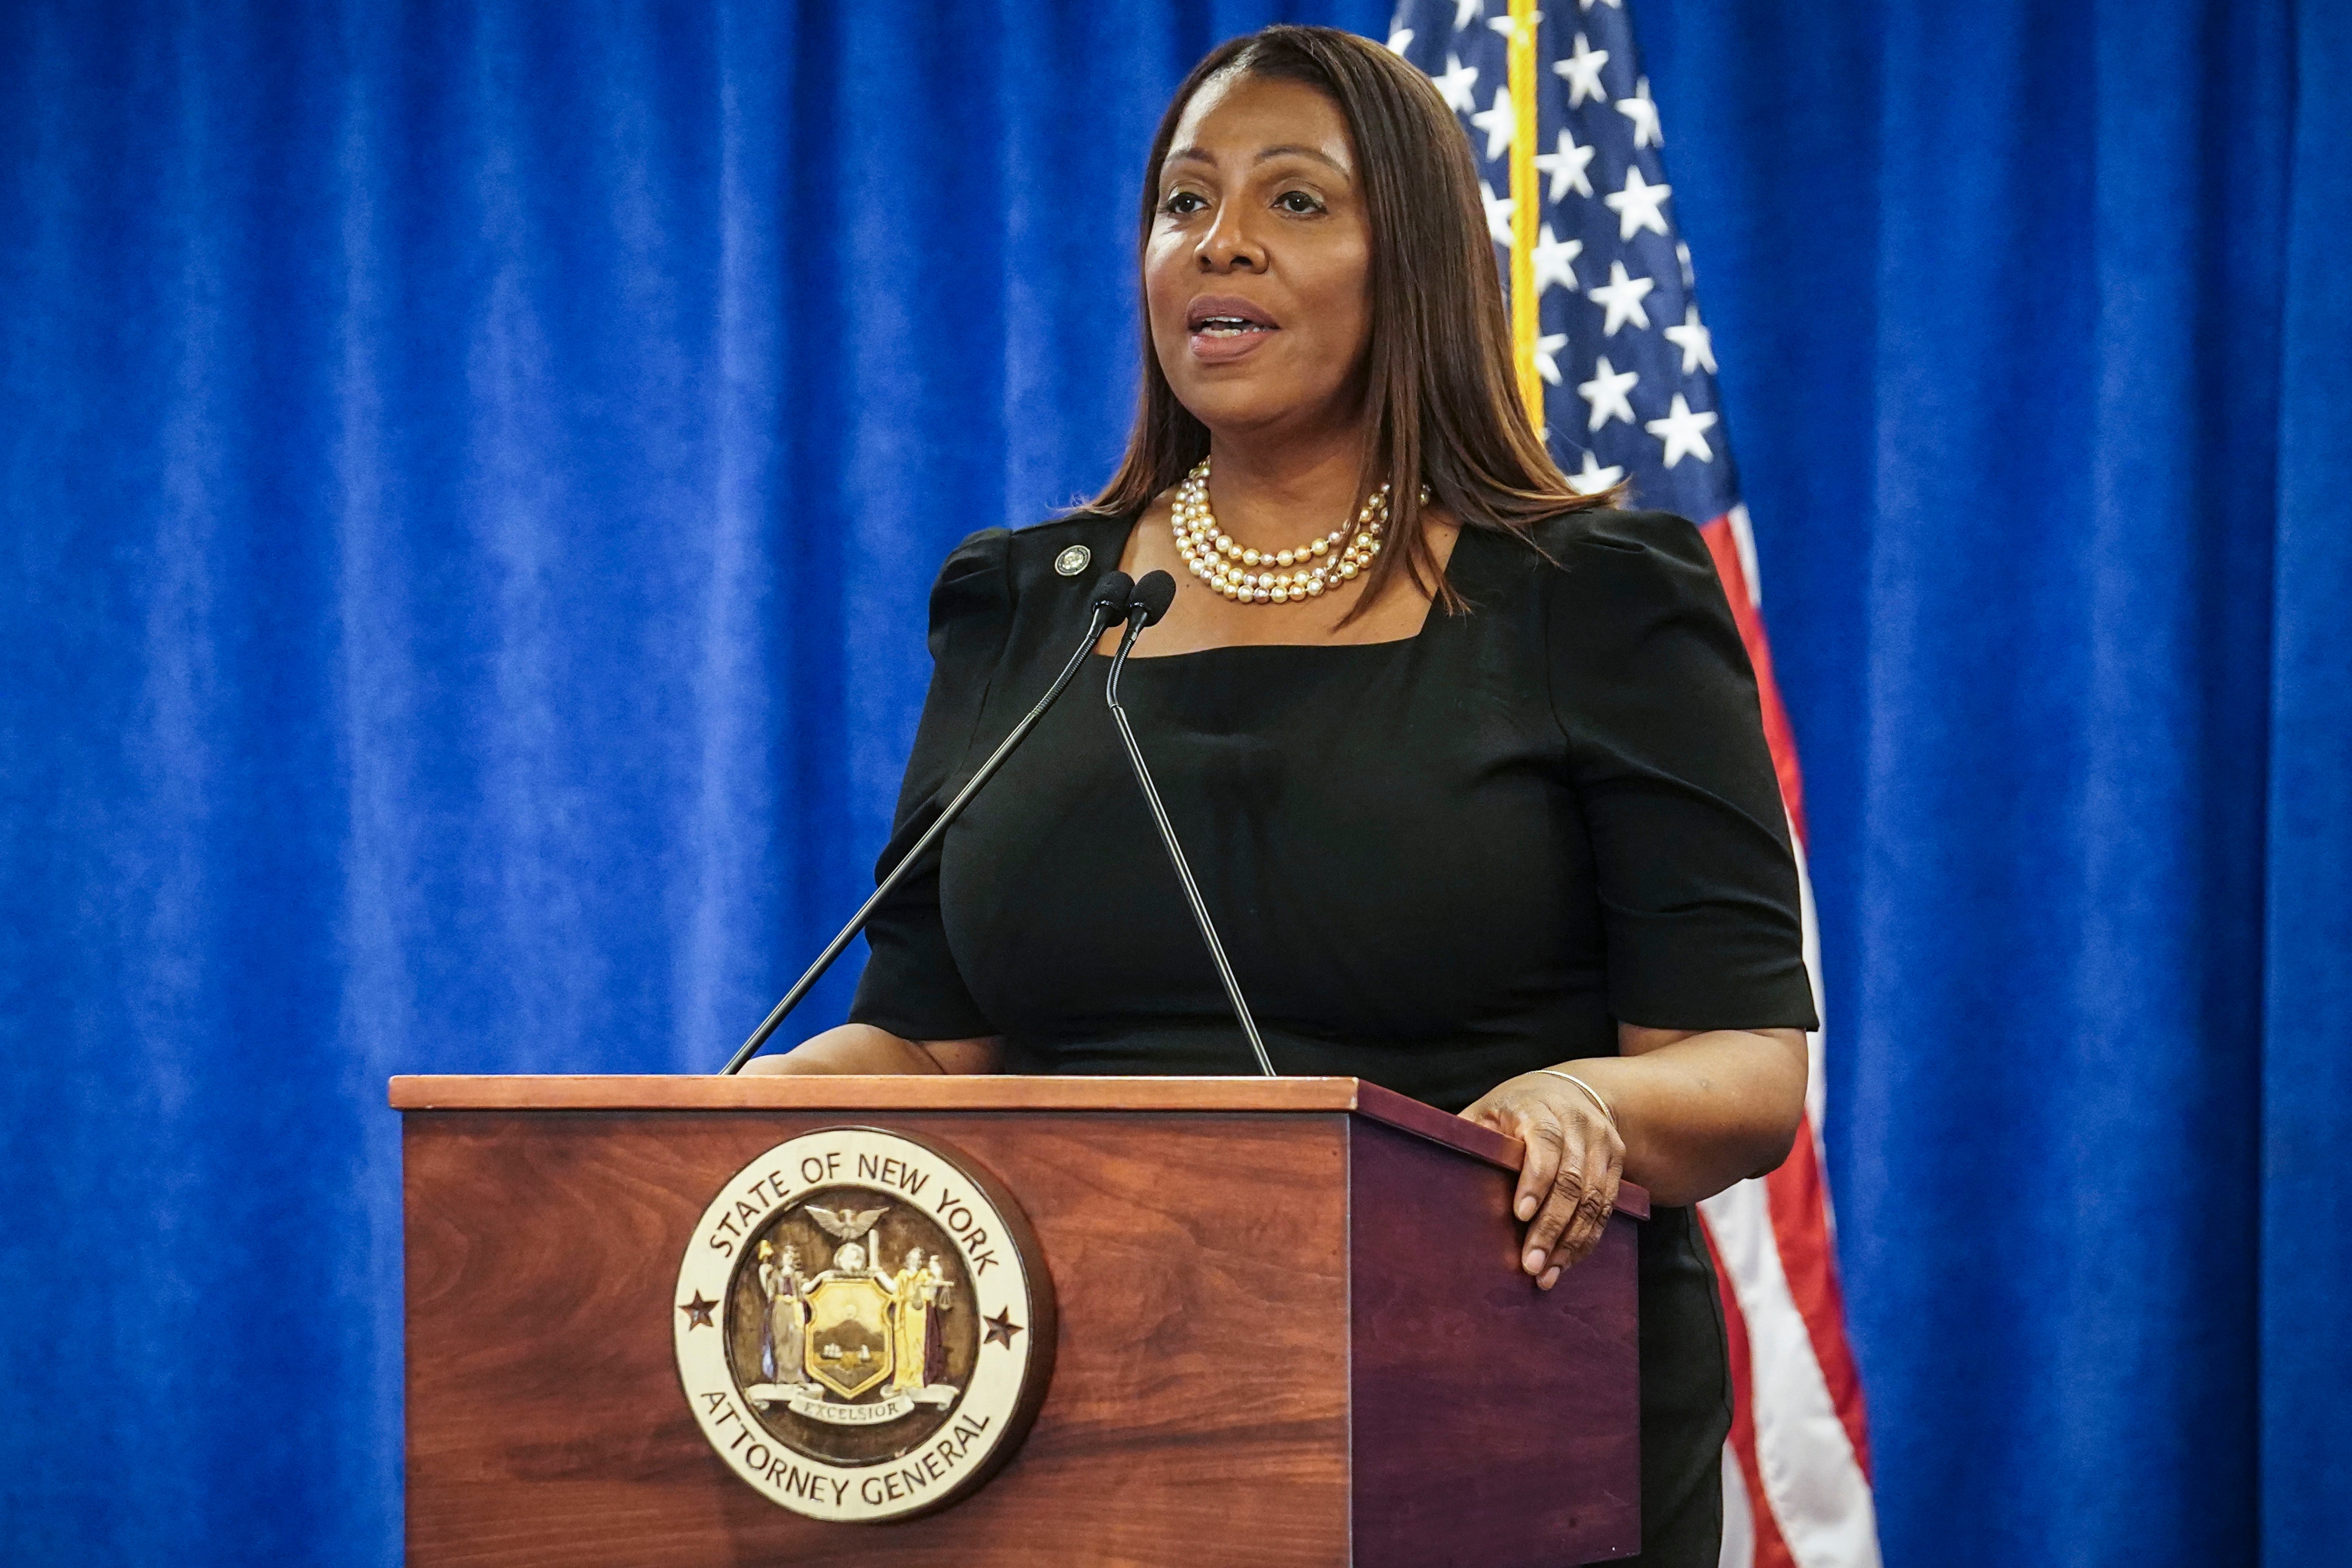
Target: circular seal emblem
(864, 1325)
(1073, 561)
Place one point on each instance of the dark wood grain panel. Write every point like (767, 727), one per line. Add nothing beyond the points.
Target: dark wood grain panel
(1198, 1410)
(1494, 1425)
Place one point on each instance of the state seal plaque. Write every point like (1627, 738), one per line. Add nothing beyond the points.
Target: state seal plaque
(864, 1324)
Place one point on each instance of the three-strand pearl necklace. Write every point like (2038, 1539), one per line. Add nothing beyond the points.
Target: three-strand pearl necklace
(1275, 576)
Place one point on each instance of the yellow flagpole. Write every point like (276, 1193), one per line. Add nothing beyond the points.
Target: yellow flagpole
(1526, 323)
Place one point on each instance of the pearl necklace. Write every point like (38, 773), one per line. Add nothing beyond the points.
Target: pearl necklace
(1219, 560)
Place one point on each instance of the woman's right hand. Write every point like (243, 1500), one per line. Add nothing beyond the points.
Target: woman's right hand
(861, 1048)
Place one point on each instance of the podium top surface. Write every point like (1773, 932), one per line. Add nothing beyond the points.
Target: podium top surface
(969, 1093)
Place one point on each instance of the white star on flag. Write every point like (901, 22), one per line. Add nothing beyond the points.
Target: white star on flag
(1566, 166)
(1552, 257)
(1695, 342)
(1497, 122)
(1592, 478)
(1637, 205)
(1466, 12)
(1498, 218)
(1581, 71)
(1620, 295)
(1606, 393)
(1400, 40)
(1683, 432)
(1508, 26)
(1612, 5)
(1548, 346)
(1643, 114)
(1454, 83)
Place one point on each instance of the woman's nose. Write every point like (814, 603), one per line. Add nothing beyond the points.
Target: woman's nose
(1229, 246)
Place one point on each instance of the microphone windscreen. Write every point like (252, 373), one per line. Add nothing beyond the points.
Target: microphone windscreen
(1114, 591)
(1154, 595)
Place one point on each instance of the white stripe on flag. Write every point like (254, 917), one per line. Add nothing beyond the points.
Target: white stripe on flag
(1743, 537)
(1816, 1085)
(1811, 1482)
(1738, 1524)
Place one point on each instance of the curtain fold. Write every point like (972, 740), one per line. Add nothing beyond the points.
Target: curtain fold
(469, 476)
(2306, 1219)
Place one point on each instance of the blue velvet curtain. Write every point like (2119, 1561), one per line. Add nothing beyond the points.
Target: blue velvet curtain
(468, 480)
(2034, 322)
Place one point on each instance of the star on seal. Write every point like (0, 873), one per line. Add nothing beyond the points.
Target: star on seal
(1001, 1330)
(698, 1311)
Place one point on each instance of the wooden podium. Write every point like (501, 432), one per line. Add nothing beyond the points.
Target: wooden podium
(1291, 1329)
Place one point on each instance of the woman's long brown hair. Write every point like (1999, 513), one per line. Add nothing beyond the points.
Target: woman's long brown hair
(1440, 406)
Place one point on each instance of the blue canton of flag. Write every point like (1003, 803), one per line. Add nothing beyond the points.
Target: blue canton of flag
(1628, 367)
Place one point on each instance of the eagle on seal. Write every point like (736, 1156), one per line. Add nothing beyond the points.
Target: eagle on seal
(848, 1224)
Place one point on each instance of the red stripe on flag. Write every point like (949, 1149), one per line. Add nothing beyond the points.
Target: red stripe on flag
(1771, 1550)
(1725, 548)
(1796, 1194)
(1798, 1203)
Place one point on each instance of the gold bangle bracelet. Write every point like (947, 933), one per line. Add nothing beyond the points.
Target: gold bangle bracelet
(1592, 1093)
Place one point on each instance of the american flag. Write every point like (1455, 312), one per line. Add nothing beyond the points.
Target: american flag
(1619, 367)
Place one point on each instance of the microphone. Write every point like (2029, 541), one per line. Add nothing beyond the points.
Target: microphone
(1114, 592)
(1152, 597)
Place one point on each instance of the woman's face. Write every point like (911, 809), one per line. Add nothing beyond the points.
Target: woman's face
(1258, 272)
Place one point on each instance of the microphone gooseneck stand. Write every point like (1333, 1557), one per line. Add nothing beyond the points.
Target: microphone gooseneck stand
(1152, 597)
(1113, 595)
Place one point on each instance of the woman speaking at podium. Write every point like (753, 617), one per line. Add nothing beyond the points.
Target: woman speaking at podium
(1469, 766)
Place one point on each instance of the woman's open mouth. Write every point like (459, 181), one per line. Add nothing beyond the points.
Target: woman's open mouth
(1219, 330)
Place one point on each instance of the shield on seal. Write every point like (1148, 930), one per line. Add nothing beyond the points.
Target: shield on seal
(848, 1347)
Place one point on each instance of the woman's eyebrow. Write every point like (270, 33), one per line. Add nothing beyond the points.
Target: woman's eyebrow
(1294, 150)
(1286, 149)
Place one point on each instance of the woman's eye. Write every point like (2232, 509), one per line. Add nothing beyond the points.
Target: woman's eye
(1184, 202)
(1297, 201)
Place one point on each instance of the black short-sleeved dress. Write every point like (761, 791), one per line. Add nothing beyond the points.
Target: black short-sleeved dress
(1436, 863)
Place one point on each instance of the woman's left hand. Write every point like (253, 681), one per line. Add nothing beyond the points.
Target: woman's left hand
(1568, 1185)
